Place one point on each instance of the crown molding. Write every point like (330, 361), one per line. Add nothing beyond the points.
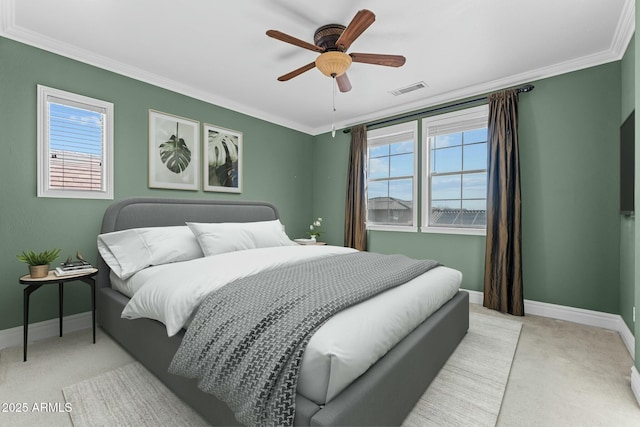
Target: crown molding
(625, 29)
(618, 48)
(9, 29)
(620, 41)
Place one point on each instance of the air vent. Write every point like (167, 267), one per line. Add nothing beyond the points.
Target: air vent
(409, 88)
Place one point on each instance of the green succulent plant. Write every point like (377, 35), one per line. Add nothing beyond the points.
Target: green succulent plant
(40, 258)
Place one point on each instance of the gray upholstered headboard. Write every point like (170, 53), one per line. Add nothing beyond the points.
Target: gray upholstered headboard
(156, 212)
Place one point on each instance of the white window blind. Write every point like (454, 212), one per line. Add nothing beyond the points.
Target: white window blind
(75, 145)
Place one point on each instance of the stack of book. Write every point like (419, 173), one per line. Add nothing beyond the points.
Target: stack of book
(73, 267)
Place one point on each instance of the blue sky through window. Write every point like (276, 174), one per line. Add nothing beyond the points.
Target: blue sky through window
(75, 129)
(461, 152)
(391, 161)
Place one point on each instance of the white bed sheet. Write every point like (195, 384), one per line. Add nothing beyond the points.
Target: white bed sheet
(354, 339)
(340, 351)
(170, 293)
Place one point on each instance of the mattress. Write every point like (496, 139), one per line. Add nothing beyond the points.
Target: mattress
(343, 348)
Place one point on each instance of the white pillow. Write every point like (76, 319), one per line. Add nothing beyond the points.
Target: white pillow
(128, 251)
(219, 238)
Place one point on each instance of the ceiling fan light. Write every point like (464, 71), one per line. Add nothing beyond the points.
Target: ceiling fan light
(333, 63)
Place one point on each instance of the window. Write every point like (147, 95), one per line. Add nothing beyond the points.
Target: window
(75, 145)
(455, 172)
(391, 183)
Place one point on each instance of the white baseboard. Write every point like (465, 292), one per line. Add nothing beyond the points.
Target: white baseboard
(627, 337)
(49, 328)
(635, 383)
(475, 297)
(582, 316)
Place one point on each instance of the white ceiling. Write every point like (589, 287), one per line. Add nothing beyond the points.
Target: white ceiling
(218, 51)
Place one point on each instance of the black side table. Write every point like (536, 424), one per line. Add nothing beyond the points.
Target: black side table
(33, 284)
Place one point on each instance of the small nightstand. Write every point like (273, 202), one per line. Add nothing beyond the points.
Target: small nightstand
(308, 242)
(33, 284)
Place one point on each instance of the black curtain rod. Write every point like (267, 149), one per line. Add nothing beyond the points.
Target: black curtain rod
(527, 88)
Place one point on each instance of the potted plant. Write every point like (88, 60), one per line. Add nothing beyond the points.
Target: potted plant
(38, 262)
(314, 229)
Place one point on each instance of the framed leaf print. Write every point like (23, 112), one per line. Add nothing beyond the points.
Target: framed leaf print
(174, 149)
(222, 168)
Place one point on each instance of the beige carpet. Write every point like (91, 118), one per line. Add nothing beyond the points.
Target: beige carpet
(468, 390)
(53, 364)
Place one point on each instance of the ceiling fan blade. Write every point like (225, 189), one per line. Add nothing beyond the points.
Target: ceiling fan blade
(297, 72)
(294, 41)
(343, 83)
(363, 19)
(379, 59)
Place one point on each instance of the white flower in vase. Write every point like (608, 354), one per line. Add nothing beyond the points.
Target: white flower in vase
(314, 229)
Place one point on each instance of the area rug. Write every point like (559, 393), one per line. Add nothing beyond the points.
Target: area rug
(127, 396)
(467, 391)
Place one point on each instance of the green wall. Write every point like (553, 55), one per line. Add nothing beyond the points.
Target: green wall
(571, 227)
(330, 163)
(627, 223)
(272, 168)
(569, 155)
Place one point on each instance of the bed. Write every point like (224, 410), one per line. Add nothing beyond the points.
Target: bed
(383, 395)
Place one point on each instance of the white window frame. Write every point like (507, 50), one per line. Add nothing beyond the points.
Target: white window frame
(377, 137)
(457, 121)
(45, 94)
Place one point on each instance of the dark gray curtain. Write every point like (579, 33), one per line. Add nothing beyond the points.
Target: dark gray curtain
(355, 233)
(503, 261)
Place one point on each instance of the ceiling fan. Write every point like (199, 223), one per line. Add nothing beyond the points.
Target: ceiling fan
(332, 42)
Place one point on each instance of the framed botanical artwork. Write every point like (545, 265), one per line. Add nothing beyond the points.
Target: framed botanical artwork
(174, 152)
(222, 166)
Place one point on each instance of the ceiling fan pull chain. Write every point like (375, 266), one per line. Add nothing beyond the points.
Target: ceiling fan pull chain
(334, 95)
(333, 126)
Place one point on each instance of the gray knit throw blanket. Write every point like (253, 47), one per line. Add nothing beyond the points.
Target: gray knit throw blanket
(247, 339)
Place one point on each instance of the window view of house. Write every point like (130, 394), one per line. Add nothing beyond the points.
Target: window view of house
(454, 196)
(75, 145)
(458, 172)
(453, 167)
(391, 172)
